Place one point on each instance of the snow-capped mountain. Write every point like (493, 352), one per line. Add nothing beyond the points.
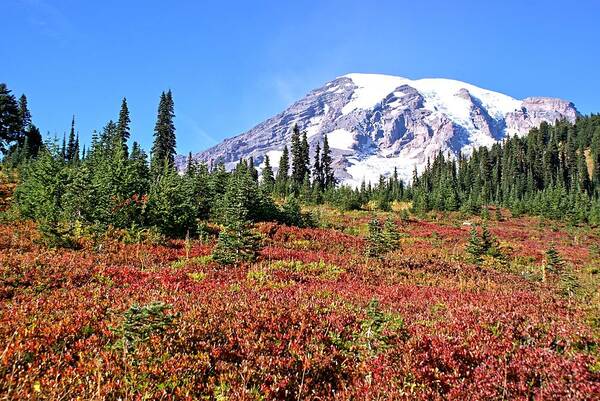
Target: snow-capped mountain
(375, 123)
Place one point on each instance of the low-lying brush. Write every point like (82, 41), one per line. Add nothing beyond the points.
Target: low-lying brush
(312, 318)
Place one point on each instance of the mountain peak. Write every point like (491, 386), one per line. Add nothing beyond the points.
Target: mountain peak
(376, 122)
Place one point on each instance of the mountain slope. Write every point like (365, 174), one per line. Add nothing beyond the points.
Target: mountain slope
(375, 123)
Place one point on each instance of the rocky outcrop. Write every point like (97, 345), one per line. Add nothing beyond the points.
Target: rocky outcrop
(535, 110)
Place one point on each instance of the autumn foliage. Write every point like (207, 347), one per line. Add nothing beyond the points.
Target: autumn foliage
(313, 318)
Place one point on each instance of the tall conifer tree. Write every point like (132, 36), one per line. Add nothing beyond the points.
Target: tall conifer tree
(163, 149)
(72, 144)
(298, 162)
(281, 180)
(328, 178)
(318, 169)
(10, 121)
(267, 181)
(123, 125)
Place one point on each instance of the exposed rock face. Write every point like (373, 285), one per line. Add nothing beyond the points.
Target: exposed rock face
(536, 110)
(375, 123)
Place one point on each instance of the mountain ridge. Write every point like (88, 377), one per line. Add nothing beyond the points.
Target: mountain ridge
(377, 122)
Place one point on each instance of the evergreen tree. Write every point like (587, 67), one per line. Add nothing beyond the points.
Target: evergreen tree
(482, 245)
(76, 153)
(27, 140)
(10, 120)
(202, 193)
(252, 169)
(267, 181)
(305, 153)
(41, 197)
(328, 178)
(475, 247)
(163, 149)
(123, 126)
(391, 235)
(63, 149)
(171, 204)
(25, 119)
(281, 181)
(571, 160)
(583, 179)
(189, 169)
(33, 141)
(554, 263)
(544, 173)
(595, 152)
(139, 167)
(292, 212)
(299, 166)
(306, 190)
(318, 176)
(376, 242)
(489, 244)
(237, 242)
(71, 149)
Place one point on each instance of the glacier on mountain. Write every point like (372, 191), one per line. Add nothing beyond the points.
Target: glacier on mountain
(375, 123)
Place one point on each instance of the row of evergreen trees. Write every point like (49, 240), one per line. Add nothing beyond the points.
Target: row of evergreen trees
(112, 185)
(306, 179)
(315, 183)
(554, 171)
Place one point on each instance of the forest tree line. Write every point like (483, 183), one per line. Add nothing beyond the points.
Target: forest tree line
(553, 171)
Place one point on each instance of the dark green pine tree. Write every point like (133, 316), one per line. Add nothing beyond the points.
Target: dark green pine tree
(10, 120)
(326, 161)
(163, 149)
(306, 190)
(123, 126)
(391, 235)
(583, 177)
(595, 152)
(72, 144)
(281, 181)
(554, 263)
(475, 247)
(189, 168)
(76, 155)
(139, 163)
(171, 203)
(298, 161)
(318, 177)
(237, 242)
(267, 178)
(28, 139)
(376, 242)
(25, 118)
(252, 170)
(489, 244)
(305, 152)
(63, 149)
(33, 140)
(571, 160)
(108, 139)
(41, 197)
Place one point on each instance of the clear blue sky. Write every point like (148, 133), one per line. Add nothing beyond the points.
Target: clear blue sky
(231, 64)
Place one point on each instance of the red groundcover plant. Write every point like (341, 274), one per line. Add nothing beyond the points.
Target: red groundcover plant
(312, 319)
